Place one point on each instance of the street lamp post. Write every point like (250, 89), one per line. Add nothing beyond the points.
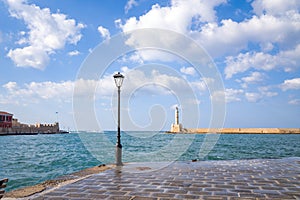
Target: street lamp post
(119, 81)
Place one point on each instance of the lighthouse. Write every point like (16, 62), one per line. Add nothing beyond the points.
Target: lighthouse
(176, 126)
(176, 116)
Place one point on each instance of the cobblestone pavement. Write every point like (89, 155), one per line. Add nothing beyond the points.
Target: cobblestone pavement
(237, 179)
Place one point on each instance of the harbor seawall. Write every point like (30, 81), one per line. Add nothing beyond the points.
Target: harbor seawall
(241, 130)
(27, 129)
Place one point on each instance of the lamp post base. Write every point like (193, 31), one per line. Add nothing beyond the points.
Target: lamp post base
(119, 156)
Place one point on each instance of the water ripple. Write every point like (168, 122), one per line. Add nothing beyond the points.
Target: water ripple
(31, 159)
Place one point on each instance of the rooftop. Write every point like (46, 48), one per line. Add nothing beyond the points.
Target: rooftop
(5, 113)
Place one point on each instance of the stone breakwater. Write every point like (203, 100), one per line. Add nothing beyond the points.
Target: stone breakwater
(242, 130)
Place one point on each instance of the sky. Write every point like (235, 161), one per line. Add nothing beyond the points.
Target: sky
(224, 63)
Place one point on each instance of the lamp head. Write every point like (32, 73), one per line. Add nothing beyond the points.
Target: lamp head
(118, 79)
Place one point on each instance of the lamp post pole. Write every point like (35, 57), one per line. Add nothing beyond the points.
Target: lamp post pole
(119, 80)
(119, 145)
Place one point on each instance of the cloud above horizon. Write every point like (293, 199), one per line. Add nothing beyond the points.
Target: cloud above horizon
(254, 47)
(272, 26)
(154, 83)
(291, 84)
(47, 32)
(105, 34)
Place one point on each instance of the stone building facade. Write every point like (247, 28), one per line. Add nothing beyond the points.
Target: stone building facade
(5, 119)
(10, 125)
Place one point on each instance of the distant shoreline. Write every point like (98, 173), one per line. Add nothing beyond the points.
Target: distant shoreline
(239, 131)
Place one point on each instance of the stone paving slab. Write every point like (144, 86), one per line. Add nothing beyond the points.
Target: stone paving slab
(235, 179)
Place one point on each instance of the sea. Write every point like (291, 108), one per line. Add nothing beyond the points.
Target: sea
(31, 159)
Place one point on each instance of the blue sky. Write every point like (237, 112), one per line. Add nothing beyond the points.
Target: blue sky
(254, 45)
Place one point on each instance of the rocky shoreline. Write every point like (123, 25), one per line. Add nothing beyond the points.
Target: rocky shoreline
(49, 184)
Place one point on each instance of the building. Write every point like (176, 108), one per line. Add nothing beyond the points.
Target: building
(5, 119)
(10, 125)
(176, 127)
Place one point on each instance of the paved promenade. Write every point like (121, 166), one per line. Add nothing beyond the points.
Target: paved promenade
(239, 179)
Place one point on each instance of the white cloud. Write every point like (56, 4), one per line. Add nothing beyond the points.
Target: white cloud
(58, 91)
(47, 90)
(235, 36)
(274, 7)
(130, 4)
(136, 58)
(105, 34)
(229, 95)
(270, 94)
(287, 60)
(155, 82)
(198, 20)
(10, 86)
(178, 16)
(232, 95)
(74, 53)
(252, 96)
(254, 77)
(118, 23)
(124, 69)
(30, 56)
(294, 102)
(291, 84)
(199, 85)
(265, 91)
(150, 54)
(62, 91)
(47, 32)
(188, 71)
(266, 46)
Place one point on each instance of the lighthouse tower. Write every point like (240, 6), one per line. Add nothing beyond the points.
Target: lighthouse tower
(176, 116)
(176, 127)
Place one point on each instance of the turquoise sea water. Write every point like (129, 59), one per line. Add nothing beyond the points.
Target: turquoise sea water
(31, 159)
